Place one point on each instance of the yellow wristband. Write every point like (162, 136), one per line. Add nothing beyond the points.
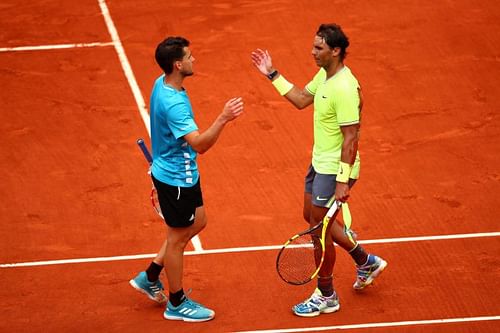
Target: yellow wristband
(282, 85)
(344, 172)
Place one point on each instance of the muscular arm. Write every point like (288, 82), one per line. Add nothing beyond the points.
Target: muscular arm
(351, 137)
(348, 155)
(201, 142)
(350, 144)
(300, 98)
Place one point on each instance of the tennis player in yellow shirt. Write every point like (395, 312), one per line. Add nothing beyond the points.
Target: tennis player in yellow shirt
(338, 101)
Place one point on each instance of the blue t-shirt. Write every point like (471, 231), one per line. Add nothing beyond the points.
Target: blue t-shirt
(174, 160)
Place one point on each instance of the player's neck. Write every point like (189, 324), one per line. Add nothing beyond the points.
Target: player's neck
(334, 68)
(175, 81)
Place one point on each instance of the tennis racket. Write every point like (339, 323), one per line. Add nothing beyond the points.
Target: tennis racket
(302, 256)
(149, 158)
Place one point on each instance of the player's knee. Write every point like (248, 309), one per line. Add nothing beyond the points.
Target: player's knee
(178, 238)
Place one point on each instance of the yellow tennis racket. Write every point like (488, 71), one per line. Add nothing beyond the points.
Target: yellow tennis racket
(302, 256)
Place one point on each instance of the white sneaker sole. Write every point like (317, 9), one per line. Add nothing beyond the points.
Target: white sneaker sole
(317, 313)
(187, 319)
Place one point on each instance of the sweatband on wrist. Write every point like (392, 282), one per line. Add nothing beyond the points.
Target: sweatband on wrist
(344, 172)
(282, 85)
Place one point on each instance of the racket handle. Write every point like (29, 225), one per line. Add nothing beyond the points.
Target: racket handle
(335, 206)
(145, 150)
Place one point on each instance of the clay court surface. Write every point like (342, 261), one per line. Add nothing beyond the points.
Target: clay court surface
(76, 222)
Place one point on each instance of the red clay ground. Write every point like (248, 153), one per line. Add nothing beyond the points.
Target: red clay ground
(74, 183)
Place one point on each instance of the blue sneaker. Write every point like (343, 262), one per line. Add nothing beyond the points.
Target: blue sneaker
(188, 310)
(367, 273)
(154, 290)
(316, 305)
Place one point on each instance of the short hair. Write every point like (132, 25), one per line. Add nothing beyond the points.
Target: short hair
(334, 37)
(169, 51)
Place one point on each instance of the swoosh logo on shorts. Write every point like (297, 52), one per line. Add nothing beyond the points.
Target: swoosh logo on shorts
(320, 198)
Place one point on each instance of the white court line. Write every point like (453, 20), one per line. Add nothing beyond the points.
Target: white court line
(53, 47)
(377, 325)
(127, 69)
(133, 83)
(241, 249)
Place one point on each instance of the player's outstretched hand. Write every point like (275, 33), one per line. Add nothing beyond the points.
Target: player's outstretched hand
(262, 60)
(233, 109)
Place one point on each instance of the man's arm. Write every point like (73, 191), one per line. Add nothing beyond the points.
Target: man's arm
(300, 98)
(350, 144)
(347, 157)
(201, 142)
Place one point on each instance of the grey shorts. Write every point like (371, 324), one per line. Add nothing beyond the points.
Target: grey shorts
(321, 186)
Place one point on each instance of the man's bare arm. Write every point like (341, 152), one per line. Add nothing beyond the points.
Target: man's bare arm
(300, 98)
(350, 143)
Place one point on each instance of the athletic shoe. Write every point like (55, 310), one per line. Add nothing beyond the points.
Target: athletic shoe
(317, 304)
(188, 310)
(154, 290)
(367, 273)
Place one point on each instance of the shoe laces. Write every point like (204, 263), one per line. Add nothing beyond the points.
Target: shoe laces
(316, 298)
(193, 303)
(366, 270)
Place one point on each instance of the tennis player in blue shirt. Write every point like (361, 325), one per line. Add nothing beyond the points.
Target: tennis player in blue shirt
(176, 141)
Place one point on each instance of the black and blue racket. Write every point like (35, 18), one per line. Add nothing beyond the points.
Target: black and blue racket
(149, 158)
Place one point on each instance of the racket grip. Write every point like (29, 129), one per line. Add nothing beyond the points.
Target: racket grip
(145, 150)
(335, 206)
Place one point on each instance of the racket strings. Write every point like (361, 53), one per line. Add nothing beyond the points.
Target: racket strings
(299, 260)
(155, 202)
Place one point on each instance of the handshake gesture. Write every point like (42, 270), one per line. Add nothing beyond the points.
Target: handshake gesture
(262, 60)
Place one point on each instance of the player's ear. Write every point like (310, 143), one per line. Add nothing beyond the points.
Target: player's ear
(178, 65)
(336, 51)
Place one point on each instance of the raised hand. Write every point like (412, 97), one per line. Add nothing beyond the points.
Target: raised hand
(232, 109)
(262, 60)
